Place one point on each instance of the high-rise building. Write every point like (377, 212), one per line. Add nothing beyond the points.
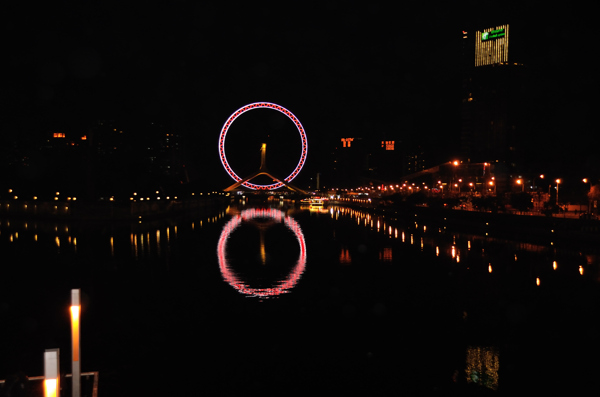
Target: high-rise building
(349, 162)
(414, 160)
(385, 157)
(493, 122)
(491, 46)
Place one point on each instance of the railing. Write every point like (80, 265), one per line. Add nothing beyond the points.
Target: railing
(95, 374)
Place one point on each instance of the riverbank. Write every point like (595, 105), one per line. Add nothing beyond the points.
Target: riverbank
(108, 210)
(532, 228)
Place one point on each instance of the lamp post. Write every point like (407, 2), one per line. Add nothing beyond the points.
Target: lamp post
(549, 186)
(492, 184)
(585, 180)
(557, 184)
(520, 183)
(51, 373)
(76, 363)
(455, 164)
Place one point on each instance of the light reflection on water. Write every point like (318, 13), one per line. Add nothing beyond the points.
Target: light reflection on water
(482, 366)
(146, 240)
(468, 247)
(236, 280)
(398, 244)
(544, 266)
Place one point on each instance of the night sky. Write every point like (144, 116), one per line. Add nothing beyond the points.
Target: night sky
(343, 70)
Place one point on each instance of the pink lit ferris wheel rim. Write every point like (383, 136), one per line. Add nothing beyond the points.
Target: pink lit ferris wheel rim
(238, 113)
(233, 279)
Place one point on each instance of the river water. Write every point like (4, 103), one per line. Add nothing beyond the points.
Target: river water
(279, 300)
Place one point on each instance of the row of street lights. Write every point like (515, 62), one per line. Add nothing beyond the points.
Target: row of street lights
(133, 197)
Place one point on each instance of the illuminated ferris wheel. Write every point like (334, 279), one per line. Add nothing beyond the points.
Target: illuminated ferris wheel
(239, 181)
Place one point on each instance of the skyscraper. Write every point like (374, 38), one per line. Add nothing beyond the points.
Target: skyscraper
(492, 119)
(491, 46)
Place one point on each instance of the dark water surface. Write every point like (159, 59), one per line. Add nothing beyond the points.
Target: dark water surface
(287, 301)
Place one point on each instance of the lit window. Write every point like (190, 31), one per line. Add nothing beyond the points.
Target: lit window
(388, 145)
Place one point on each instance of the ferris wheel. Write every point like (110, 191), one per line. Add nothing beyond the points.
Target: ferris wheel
(262, 171)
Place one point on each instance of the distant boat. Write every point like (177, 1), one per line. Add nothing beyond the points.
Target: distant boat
(314, 201)
(317, 202)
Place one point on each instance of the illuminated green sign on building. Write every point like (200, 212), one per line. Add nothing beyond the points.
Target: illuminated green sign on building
(492, 48)
(493, 34)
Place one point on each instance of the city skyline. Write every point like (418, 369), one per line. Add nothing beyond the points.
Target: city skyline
(345, 72)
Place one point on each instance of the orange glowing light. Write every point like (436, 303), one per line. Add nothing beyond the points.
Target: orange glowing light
(345, 256)
(50, 387)
(347, 142)
(75, 310)
(388, 145)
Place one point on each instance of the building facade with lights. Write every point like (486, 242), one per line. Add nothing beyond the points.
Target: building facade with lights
(493, 124)
(491, 46)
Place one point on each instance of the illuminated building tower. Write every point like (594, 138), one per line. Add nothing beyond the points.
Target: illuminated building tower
(384, 159)
(414, 161)
(492, 120)
(491, 46)
(350, 158)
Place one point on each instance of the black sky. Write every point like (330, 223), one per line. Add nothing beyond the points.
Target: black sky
(343, 69)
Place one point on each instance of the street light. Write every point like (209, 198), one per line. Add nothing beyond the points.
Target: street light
(76, 363)
(492, 184)
(557, 184)
(520, 183)
(542, 176)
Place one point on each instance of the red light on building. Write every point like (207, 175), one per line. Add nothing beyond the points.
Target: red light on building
(388, 145)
